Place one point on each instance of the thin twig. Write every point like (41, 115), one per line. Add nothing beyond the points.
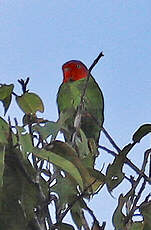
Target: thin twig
(111, 140)
(24, 84)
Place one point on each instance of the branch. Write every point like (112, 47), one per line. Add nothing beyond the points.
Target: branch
(111, 140)
(24, 84)
(78, 115)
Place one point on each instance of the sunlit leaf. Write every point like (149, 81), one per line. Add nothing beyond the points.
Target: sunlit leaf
(30, 103)
(141, 132)
(5, 91)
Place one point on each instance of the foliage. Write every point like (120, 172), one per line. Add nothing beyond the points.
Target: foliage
(37, 170)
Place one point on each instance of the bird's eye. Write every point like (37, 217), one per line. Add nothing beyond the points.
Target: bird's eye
(78, 66)
(66, 69)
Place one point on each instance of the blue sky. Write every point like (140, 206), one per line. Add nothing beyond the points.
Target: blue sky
(37, 37)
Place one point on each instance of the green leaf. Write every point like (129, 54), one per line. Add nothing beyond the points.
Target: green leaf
(6, 103)
(11, 193)
(66, 188)
(5, 91)
(24, 141)
(30, 103)
(98, 178)
(114, 171)
(4, 131)
(138, 225)
(6, 95)
(20, 195)
(145, 210)
(61, 162)
(76, 215)
(64, 226)
(2, 163)
(67, 152)
(118, 218)
(49, 128)
(141, 132)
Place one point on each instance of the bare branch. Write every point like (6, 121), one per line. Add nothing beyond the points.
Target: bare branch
(111, 140)
(24, 84)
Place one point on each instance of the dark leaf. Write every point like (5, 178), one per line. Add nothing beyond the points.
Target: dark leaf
(114, 171)
(76, 215)
(66, 188)
(145, 210)
(118, 218)
(6, 103)
(2, 164)
(141, 132)
(6, 95)
(64, 226)
(4, 131)
(137, 226)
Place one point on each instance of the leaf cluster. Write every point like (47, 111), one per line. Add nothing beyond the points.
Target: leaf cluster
(36, 169)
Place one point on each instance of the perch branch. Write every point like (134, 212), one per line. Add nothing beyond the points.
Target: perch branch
(78, 115)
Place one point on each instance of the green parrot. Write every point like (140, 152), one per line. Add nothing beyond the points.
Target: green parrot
(75, 74)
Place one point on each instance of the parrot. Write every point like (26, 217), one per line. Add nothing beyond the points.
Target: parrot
(69, 95)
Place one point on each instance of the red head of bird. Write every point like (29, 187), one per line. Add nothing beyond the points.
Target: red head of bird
(74, 70)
